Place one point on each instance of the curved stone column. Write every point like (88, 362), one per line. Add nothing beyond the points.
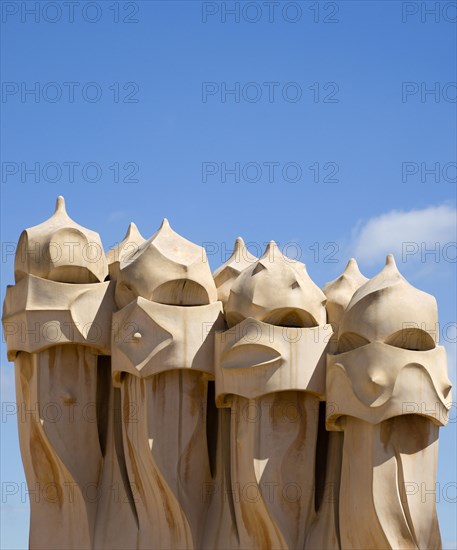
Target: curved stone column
(162, 406)
(388, 391)
(57, 321)
(163, 359)
(270, 371)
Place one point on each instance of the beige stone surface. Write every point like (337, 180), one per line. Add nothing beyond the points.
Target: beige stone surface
(226, 274)
(388, 391)
(167, 269)
(122, 250)
(60, 250)
(276, 290)
(169, 407)
(340, 291)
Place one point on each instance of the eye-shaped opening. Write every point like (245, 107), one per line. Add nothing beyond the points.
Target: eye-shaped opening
(249, 355)
(181, 292)
(350, 340)
(282, 317)
(72, 274)
(290, 317)
(413, 339)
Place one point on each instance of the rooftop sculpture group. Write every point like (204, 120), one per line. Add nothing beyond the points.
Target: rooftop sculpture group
(170, 408)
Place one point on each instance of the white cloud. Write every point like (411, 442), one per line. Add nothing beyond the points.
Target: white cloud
(408, 235)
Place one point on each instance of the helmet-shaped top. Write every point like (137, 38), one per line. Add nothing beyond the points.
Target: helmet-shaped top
(389, 309)
(278, 291)
(167, 269)
(61, 250)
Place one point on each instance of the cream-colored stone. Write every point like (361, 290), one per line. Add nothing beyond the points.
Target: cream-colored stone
(340, 291)
(61, 250)
(167, 269)
(38, 314)
(170, 408)
(174, 337)
(121, 251)
(270, 371)
(57, 320)
(276, 290)
(387, 389)
(255, 359)
(324, 532)
(162, 360)
(226, 274)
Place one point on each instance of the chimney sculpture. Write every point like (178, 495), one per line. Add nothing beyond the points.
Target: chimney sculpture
(161, 406)
(57, 323)
(388, 391)
(163, 358)
(271, 372)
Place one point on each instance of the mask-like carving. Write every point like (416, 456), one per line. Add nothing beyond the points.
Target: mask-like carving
(255, 359)
(57, 319)
(226, 274)
(167, 269)
(270, 372)
(389, 326)
(61, 250)
(163, 360)
(388, 380)
(278, 291)
(151, 338)
(38, 314)
(379, 381)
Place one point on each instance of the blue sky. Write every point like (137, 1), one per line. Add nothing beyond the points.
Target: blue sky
(339, 111)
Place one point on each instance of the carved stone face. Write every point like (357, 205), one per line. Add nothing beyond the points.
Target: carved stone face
(255, 358)
(278, 333)
(377, 381)
(149, 338)
(387, 343)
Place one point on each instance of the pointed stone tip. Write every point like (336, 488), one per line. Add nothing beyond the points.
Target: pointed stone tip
(390, 260)
(237, 247)
(391, 267)
(165, 224)
(271, 248)
(132, 229)
(60, 204)
(352, 266)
